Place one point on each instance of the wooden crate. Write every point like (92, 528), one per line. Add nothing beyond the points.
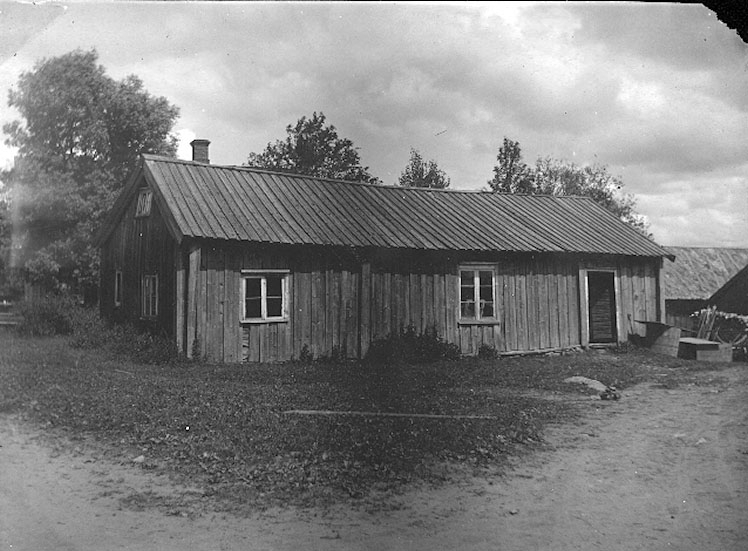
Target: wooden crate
(691, 348)
(723, 353)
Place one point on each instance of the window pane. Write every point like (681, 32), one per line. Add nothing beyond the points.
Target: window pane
(485, 277)
(486, 293)
(486, 309)
(144, 203)
(150, 296)
(467, 309)
(253, 287)
(274, 286)
(466, 277)
(154, 302)
(253, 308)
(275, 307)
(467, 293)
(118, 287)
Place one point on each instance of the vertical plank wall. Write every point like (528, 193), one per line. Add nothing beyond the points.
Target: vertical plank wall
(537, 302)
(323, 305)
(639, 289)
(536, 299)
(339, 303)
(139, 246)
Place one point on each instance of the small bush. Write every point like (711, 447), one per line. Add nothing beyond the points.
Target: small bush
(89, 330)
(408, 346)
(142, 346)
(336, 356)
(306, 356)
(46, 317)
(487, 352)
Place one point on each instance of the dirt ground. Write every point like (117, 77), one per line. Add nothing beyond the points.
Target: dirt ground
(659, 469)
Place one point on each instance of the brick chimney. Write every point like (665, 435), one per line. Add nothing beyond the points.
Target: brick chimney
(200, 151)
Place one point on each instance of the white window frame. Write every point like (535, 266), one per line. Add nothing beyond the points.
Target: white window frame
(143, 208)
(262, 276)
(118, 288)
(476, 268)
(149, 302)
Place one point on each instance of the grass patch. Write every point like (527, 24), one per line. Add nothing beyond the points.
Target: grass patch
(223, 425)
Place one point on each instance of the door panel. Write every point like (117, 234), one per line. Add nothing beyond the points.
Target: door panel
(602, 307)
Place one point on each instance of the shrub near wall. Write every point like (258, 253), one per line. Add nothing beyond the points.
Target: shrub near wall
(62, 315)
(408, 346)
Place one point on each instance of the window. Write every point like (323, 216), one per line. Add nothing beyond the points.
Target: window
(149, 298)
(118, 288)
(144, 203)
(477, 295)
(265, 296)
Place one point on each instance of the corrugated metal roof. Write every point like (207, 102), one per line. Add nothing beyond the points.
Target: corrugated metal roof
(698, 272)
(247, 204)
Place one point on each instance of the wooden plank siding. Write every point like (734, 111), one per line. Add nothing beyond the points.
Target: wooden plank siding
(339, 300)
(137, 247)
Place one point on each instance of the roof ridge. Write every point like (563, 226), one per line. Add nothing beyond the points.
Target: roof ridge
(258, 205)
(246, 168)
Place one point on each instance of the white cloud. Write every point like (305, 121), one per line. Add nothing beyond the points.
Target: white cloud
(184, 150)
(657, 92)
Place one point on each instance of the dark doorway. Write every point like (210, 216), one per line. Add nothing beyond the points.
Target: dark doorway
(602, 307)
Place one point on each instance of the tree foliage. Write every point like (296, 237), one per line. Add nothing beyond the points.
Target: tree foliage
(314, 148)
(511, 174)
(80, 136)
(552, 176)
(420, 173)
(6, 228)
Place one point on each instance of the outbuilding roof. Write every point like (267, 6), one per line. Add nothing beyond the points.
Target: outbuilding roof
(248, 204)
(698, 272)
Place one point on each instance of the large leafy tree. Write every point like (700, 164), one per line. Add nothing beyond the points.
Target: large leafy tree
(314, 148)
(552, 176)
(80, 136)
(420, 173)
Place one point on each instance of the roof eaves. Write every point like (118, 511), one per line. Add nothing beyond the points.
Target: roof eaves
(163, 206)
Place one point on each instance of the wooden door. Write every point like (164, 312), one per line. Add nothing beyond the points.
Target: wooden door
(602, 307)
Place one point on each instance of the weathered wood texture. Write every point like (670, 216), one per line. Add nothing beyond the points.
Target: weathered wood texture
(137, 247)
(322, 304)
(340, 300)
(678, 313)
(638, 299)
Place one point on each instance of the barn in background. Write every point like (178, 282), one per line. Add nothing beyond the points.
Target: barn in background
(696, 275)
(240, 264)
(732, 297)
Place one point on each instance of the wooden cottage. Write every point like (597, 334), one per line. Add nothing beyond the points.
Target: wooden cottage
(241, 264)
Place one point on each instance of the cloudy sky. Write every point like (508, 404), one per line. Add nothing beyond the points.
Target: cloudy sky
(657, 92)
